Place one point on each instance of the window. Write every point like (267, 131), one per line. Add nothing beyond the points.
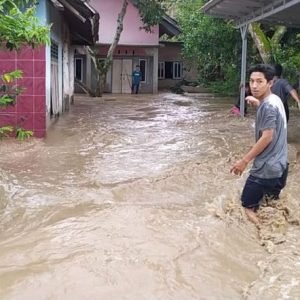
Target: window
(54, 50)
(143, 69)
(170, 70)
(78, 68)
(177, 70)
(161, 70)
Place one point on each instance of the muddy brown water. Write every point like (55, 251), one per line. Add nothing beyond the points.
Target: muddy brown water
(131, 198)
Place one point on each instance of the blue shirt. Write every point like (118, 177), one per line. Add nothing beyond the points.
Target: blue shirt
(136, 77)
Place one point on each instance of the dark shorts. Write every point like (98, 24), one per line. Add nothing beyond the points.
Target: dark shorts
(256, 188)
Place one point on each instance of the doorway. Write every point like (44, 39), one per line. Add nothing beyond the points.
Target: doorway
(121, 76)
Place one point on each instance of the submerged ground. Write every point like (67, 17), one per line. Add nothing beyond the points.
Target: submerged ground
(130, 197)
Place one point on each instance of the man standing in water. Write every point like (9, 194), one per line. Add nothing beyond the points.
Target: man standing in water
(136, 80)
(270, 167)
(283, 90)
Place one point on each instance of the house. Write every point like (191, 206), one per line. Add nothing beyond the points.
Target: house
(48, 72)
(136, 47)
(172, 67)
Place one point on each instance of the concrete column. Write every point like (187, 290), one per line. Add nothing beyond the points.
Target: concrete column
(155, 70)
(244, 31)
(88, 71)
(72, 73)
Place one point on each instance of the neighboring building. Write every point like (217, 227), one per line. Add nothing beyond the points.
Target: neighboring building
(172, 68)
(48, 72)
(136, 47)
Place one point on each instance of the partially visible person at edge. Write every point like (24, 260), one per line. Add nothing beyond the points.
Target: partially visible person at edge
(136, 80)
(283, 89)
(236, 109)
(269, 171)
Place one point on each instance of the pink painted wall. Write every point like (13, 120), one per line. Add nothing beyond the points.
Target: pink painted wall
(132, 34)
(29, 112)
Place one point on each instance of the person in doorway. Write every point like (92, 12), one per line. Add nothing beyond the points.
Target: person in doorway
(235, 110)
(269, 171)
(136, 80)
(283, 89)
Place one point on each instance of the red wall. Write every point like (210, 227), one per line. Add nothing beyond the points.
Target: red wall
(29, 112)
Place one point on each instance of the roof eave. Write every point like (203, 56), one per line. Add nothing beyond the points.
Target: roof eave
(83, 20)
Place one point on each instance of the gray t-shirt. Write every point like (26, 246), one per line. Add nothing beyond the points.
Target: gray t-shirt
(282, 89)
(273, 160)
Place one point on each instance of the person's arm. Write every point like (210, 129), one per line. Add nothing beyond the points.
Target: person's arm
(252, 101)
(295, 96)
(290, 90)
(262, 143)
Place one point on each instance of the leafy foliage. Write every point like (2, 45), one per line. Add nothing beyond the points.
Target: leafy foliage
(9, 89)
(23, 134)
(212, 44)
(18, 27)
(6, 131)
(151, 12)
(282, 47)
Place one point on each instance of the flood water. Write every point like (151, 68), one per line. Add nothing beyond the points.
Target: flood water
(131, 198)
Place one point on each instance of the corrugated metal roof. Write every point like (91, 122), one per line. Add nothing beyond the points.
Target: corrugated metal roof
(243, 12)
(82, 19)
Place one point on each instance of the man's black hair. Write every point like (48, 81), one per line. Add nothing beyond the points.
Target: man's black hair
(267, 70)
(278, 70)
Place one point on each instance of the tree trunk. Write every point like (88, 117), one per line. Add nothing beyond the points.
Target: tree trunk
(261, 42)
(266, 47)
(119, 30)
(278, 34)
(103, 67)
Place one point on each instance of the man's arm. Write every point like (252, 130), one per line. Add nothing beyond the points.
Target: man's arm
(295, 96)
(263, 142)
(252, 101)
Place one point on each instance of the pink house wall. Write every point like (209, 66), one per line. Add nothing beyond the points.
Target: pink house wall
(132, 34)
(29, 112)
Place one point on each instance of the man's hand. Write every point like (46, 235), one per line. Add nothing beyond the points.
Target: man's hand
(252, 101)
(239, 167)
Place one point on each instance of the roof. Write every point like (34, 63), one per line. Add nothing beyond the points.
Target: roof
(82, 18)
(242, 12)
(169, 26)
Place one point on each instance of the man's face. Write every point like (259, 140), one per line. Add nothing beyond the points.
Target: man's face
(259, 85)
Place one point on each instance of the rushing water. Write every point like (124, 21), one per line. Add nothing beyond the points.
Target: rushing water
(131, 198)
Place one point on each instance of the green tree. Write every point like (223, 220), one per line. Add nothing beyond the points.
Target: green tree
(266, 40)
(278, 44)
(18, 27)
(213, 45)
